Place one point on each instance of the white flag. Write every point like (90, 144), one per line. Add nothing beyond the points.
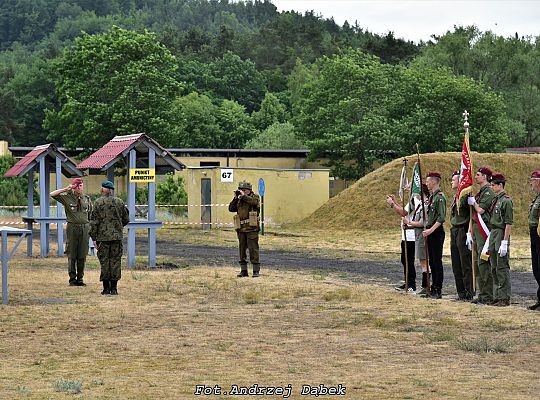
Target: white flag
(403, 182)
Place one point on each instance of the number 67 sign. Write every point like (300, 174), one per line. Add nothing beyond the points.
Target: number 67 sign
(227, 175)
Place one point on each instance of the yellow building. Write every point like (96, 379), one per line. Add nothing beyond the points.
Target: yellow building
(256, 158)
(295, 187)
(289, 194)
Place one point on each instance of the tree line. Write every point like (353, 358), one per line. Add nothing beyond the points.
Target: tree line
(223, 74)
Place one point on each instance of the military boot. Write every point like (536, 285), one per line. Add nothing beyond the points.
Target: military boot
(106, 287)
(242, 274)
(114, 290)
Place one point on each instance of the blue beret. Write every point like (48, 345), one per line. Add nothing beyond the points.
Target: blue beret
(107, 185)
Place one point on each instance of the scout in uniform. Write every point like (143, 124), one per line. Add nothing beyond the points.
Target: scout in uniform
(246, 205)
(502, 215)
(459, 251)
(78, 208)
(434, 232)
(417, 222)
(534, 215)
(407, 239)
(481, 204)
(107, 221)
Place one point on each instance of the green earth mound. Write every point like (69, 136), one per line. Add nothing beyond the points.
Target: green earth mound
(362, 206)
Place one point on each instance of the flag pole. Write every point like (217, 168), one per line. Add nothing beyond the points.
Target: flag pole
(423, 219)
(404, 229)
(471, 209)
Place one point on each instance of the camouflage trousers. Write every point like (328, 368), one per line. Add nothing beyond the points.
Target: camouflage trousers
(249, 241)
(76, 250)
(110, 258)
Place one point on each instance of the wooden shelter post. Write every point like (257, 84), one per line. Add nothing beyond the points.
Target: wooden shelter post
(30, 211)
(131, 188)
(151, 211)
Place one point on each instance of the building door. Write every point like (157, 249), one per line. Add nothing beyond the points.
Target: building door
(206, 200)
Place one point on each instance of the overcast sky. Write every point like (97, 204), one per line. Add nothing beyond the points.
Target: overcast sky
(419, 19)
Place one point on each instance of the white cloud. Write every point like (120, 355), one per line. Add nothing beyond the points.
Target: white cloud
(419, 19)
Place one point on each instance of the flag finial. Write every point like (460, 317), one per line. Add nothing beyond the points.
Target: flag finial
(466, 123)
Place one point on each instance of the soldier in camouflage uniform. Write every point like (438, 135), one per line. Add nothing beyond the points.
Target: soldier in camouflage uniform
(502, 215)
(107, 222)
(434, 232)
(78, 207)
(534, 216)
(247, 228)
(481, 204)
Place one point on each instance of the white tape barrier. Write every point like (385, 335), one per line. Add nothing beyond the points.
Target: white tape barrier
(163, 222)
(139, 205)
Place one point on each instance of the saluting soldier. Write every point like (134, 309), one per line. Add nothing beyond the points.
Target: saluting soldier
(246, 205)
(434, 232)
(78, 207)
(107, 221)
(534, 215)
(481, 203)
(459, 251)
(502, 215)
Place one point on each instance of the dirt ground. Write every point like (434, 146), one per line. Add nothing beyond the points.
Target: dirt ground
(321, 314)
(371, 268)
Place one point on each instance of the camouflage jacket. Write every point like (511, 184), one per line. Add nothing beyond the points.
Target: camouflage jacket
(243, 205)
(108, 218)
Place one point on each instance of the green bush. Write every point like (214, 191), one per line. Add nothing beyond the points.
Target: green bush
(13, 191)
(172, 191)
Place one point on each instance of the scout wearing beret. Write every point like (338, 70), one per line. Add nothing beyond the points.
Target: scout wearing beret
(481, 204)
(459, 251)
(502, 214)
(434, 232)
(534, 215)
(78, 207)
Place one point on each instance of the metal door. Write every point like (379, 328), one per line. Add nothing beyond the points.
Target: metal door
(206, 200)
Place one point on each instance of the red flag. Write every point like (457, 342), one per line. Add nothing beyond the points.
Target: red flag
(465, 173)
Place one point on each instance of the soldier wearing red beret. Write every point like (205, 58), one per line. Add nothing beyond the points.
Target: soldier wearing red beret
(534, 216)
(78, 207)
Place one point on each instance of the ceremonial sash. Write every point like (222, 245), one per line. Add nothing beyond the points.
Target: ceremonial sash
(485, 232)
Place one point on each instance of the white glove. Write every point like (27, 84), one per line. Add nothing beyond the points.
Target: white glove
(471, 201)
(503, 250)
(468, 241)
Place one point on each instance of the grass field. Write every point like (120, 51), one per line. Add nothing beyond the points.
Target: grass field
(170, 330)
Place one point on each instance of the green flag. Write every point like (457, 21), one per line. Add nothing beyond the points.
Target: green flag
(416, 182)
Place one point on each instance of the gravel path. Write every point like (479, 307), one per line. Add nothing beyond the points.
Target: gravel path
(358, 270)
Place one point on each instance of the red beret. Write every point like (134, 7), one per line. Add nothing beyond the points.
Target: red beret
(77, 181)
(498, 178)
(485, 170)
(433, 174)
(535, 175)
(456, 172)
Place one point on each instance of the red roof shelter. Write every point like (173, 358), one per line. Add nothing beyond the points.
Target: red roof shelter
(140, 154)
(42, 159)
